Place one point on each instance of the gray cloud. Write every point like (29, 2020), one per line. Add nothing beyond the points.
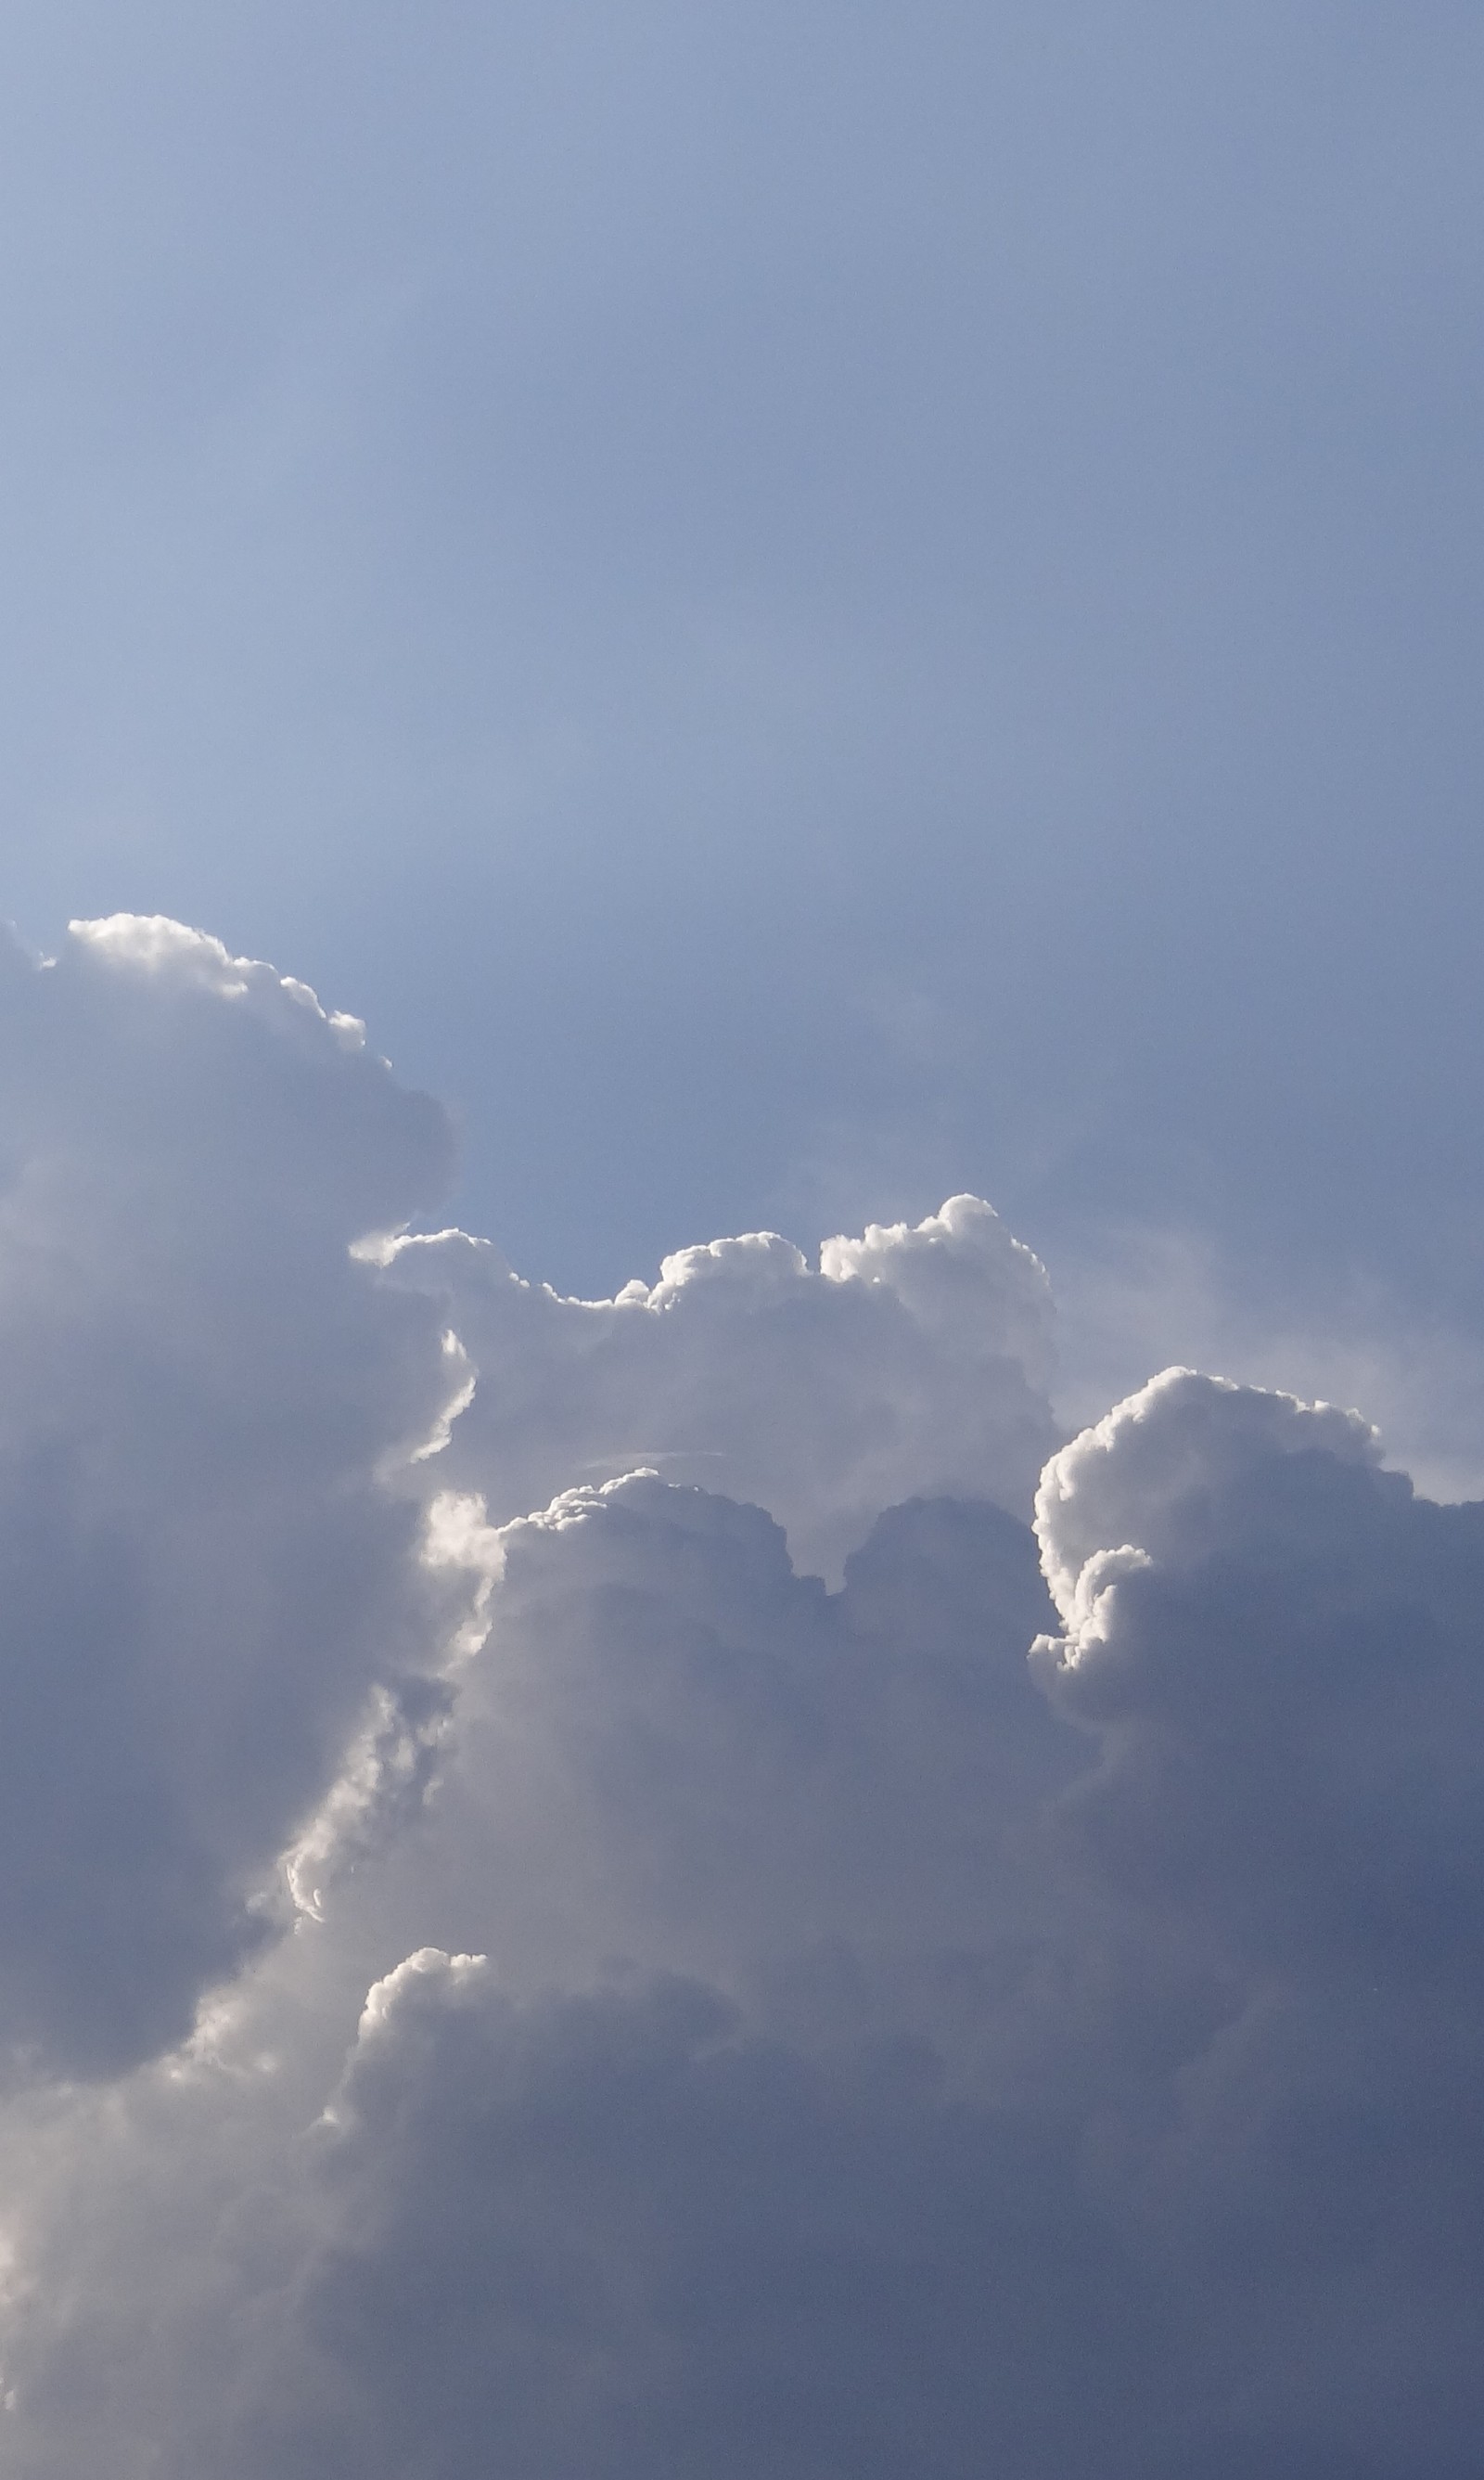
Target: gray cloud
(858, 2069)
(675, 1753)
(1278, 1647)
(200, 1572)
(1078, 2110)
(619, 2234)
(804, 2033)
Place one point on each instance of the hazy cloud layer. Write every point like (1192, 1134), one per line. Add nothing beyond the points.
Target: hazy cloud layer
(1019, 2011)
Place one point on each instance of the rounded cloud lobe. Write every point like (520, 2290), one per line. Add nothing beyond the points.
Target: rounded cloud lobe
(913, 1361)
(1014, 2007)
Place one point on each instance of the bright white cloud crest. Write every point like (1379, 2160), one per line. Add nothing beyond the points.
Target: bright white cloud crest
(743, 2022)
(913, 1360)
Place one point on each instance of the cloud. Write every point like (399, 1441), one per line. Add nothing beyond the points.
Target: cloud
(675, 1753)
(1279, 1648)
(831, 2061)
(619, 2234)
(1152, 1297)
(201, 1574)
(670, 1749)
(1017, 2009)
(913, 1361)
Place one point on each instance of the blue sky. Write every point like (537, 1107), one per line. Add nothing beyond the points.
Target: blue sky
(804, 608)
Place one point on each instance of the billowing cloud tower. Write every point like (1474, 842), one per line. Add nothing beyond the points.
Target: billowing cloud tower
(585, 1895)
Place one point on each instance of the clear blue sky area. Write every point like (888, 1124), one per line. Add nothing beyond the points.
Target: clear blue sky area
(803, 607)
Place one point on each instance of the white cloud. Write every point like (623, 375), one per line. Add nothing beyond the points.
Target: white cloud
(1280, 1649)
(913, 1361)
(743, 2026)
(675, 1753)
(202, 1576)
(816, 2059)
(1155, 1473)
(1157, 1296)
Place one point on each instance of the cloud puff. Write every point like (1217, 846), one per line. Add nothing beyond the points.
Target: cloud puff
(1280, 1653)
(675, 1753)
(1164, 1464)
(913, 1361)
(1279, 1647)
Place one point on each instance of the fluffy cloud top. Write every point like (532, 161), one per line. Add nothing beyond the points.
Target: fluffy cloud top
(912, 1361)
(1283, 1668)
(1009, 2012)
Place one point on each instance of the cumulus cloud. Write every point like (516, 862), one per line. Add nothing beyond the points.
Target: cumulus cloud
(1020, 2103)
(675, 1753)
(1279, 1648)
(914, 1361)
(1014, 2006)
(1279, 1652)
